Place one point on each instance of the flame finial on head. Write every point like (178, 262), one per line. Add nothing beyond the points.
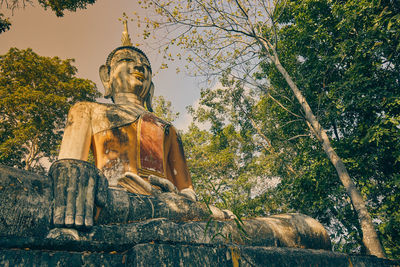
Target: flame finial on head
(126, 40)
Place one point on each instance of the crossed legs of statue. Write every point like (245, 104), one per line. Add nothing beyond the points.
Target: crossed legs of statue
(80, 191)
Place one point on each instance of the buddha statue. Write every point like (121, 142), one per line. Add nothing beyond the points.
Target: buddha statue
(138, 190)
(134, 149)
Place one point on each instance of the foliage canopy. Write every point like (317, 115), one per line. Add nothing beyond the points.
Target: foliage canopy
(35, 95)
(4, 23)
(344, 57)
(162, 108)
(58, 6)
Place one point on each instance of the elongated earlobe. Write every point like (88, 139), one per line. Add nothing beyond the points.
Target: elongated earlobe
(149, 98)
(105, 80)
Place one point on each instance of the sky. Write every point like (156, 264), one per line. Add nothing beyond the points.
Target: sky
(88, 36)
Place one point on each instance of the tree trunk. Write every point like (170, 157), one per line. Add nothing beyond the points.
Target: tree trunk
(370, 237)
(29, 156)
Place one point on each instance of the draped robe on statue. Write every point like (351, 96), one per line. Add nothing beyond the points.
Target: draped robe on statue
(125, 138)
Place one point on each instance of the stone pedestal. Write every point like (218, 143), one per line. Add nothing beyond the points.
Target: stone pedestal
(162, 254)
(139, 230)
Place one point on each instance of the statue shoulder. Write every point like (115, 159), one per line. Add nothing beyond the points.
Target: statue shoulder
(86, 108)
(150, 116)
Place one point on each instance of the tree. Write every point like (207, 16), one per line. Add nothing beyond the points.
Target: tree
(58, 6)
(4, 24)
(217, 167)
(35, 95)
(227, 163)
(230, 37)
(214, 160)
(353, 82)
(162, 108)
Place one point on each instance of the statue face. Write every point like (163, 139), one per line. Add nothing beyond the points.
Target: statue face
(130, 73)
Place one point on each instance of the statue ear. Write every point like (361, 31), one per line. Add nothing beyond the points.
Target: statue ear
(105, 79)
(149, 98)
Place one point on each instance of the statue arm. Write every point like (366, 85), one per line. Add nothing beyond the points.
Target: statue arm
(78, 186)
(77, 135)
(177, 162)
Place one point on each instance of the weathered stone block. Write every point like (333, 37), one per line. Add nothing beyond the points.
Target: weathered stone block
(128, 219)
(139, 230)
(156, 254)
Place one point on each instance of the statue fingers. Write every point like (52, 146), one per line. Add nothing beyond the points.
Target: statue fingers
(81, 200)
(76, 186)
(229, 214)
(164, 184)
(73, 175)
(216, 213)
(189, 193)
(101, 189)
(89, 201)
(59, 175)
(140, 181)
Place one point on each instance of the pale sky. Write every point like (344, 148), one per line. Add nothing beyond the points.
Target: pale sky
(89, 36)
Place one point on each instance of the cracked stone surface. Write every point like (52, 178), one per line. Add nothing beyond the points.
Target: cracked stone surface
(163, 230)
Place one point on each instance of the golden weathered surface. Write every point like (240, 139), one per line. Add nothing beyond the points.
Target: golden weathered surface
(126, 40)
(124, 136)
(119, 146)
(139, 153)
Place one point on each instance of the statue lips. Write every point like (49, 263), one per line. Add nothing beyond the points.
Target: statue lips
(139, 75)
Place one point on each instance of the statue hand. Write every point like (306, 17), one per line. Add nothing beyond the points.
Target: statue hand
(164, 184)
(167, 186)
(78, 186)
(141, 182)
(189, 193)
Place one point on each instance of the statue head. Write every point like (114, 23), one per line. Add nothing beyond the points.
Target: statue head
(127, 70)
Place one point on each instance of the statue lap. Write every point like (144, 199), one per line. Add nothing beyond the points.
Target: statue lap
(28, 238)
(131, 218)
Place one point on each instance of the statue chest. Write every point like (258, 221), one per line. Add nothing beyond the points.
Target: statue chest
(138, 147)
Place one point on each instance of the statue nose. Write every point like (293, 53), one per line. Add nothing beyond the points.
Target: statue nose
(139, 68)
